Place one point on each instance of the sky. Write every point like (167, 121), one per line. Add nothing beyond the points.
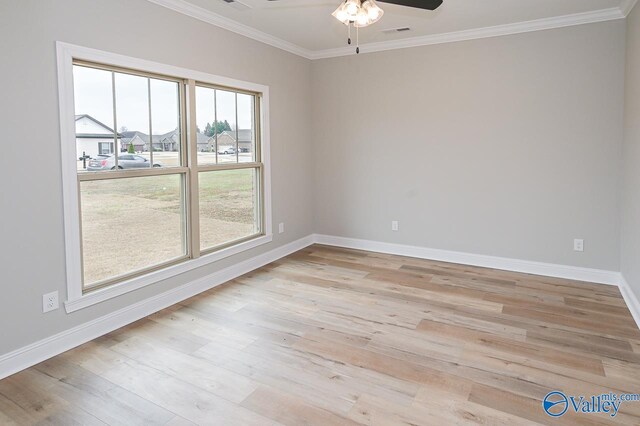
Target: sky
(94, 96)
(226, 105)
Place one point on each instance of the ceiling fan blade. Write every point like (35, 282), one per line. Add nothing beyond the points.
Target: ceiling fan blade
(420, 4)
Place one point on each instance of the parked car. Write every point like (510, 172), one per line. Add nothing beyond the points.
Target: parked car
(125, 161)
(244, 149)
(226, 150)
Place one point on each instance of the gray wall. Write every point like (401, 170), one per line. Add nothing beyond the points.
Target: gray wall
(507, 146)
(32, 258)
(631, 157)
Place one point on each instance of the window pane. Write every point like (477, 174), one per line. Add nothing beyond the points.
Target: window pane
(131, 224)
(205, 122)
(165, 123)
(132, 119)
(246, 128)
(226, 112)
(93, 97)
(228, 207)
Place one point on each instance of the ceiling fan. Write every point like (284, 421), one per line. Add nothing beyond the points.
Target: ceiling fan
(362, 13)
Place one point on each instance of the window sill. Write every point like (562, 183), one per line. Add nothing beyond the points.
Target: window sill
(136, 283)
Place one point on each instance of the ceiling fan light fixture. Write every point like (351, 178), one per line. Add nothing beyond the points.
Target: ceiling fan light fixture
(341, 14)
(374, 12)
(362, 19)
(360, 13)
(352, 7)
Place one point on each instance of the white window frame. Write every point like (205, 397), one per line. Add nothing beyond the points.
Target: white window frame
(66, 54)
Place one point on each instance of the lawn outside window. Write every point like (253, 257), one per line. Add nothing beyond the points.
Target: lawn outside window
(164, 170)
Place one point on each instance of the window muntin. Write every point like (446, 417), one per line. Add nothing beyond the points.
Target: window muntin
(129, 170)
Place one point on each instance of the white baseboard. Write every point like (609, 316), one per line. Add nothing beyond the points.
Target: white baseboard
(515, 265)
(34, 353)
(631, 299)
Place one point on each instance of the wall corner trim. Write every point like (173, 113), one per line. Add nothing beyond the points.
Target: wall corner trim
(44, 349)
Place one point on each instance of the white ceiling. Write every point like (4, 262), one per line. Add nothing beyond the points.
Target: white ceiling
(307, 27)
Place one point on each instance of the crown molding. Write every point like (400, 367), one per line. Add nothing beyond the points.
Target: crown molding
(479, 33)
(197, 12)
(189, 9)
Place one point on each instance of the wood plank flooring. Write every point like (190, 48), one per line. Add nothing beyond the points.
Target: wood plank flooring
(330, 336)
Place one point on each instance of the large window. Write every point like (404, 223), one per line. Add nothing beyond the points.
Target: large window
(228, 175)
(169, 169)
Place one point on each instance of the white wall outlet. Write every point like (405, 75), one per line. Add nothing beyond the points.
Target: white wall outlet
(281, 228)
(394, 225)
(578, 245)
(50, 302)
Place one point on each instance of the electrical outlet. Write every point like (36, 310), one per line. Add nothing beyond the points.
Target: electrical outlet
(281, 228)
(50, 302)
(578, 245)
(394, 225)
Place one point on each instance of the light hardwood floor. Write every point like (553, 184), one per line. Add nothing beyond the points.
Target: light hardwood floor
(330, 336)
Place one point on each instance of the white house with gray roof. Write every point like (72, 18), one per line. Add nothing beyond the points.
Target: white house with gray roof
(93, 137)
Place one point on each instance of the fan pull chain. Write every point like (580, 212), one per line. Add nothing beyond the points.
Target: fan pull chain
(357, 40)
(349, 39)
